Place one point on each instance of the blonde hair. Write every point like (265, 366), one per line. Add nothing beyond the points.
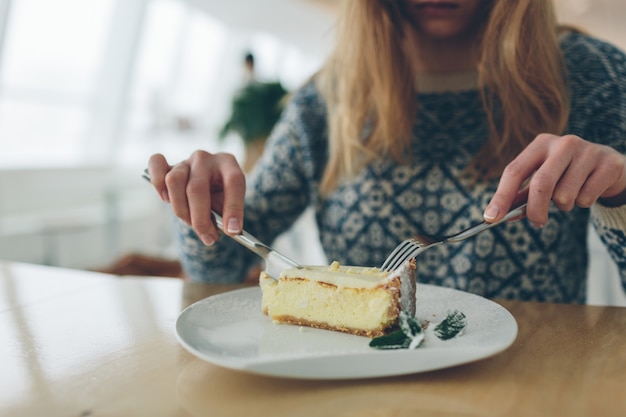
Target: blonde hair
(370, 88)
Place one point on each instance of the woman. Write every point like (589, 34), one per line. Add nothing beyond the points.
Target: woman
(428, 117)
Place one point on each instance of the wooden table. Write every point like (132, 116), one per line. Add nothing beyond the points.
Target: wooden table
(76, 343)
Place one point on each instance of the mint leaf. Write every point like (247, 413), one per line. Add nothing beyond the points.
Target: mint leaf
(451, 326)
(394, 340)
(410, 335)
(412, 329)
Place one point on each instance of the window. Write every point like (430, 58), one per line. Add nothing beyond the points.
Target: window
(50, 65)
(112, 81)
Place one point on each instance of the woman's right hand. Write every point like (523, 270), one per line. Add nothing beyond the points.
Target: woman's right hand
(199, 184)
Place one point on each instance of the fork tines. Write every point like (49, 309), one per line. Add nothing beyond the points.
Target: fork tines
(402, 253)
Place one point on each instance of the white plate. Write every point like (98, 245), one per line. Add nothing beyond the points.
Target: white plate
(230, 330)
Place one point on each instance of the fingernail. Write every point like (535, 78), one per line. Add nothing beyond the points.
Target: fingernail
(491, 212)
(538, 225)
(165, 196)
(233, 226)
(207, 239)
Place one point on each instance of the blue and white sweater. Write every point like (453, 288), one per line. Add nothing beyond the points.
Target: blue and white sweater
(366, 217)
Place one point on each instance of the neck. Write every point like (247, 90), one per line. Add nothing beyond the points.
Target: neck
(429, 55)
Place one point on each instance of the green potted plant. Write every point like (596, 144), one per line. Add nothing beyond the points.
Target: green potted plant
(254, 112)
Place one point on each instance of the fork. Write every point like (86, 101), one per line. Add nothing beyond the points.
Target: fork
(417, 244)
(275, 262)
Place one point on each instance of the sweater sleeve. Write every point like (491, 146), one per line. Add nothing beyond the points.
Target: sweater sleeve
(610, 223)
(608, 125)
(598, 83)
(278, 191)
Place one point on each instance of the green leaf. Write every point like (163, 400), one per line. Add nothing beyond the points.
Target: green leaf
(410, 335)
(453, 325)
(394, 340)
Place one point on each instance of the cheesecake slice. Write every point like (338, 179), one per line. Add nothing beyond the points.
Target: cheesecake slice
(357, 300)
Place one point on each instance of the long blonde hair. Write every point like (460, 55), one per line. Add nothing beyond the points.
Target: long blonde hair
(370, 88)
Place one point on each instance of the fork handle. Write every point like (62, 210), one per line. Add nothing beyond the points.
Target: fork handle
(245, 238)
(519, 211)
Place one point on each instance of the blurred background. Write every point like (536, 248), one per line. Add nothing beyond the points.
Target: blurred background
(90, 89)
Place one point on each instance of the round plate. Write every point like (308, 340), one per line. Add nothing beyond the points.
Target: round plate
(230, 330)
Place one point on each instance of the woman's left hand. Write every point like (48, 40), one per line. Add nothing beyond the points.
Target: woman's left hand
(566, 170)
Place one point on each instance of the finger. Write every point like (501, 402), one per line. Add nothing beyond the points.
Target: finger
(568, 191)
(176, 181)
(544, 181)
(203, 169)
(520, 198)
(158, 168)
(515, 174)
(234, 183)
(607, 181)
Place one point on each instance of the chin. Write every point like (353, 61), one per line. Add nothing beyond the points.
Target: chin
(441, 31)
(445, 19)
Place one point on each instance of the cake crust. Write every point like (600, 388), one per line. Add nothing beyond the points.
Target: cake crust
(380, 331)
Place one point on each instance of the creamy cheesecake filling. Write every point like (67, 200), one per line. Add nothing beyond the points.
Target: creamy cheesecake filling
(358, 300)
(293, 301)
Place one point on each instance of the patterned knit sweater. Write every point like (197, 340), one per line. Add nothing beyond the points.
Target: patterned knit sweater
(366, 217)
